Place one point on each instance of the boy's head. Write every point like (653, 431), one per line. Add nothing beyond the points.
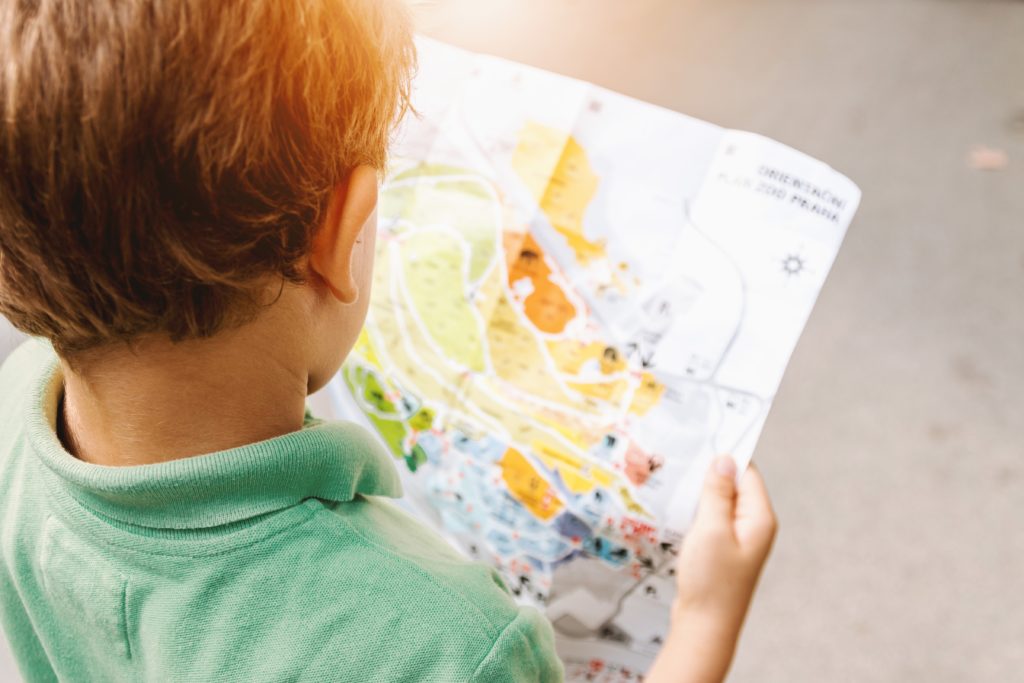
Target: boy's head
(168, 167)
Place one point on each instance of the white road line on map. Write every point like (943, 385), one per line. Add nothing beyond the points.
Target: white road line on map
(447, 410)
(619, 411)
(457, 392)
(560, 377)
(467, 255)
(536, 425)
(401, 300)
(406, 295)
(506, 291)
(387, 360)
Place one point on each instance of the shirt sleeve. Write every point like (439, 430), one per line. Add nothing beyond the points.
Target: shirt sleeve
(523, 652)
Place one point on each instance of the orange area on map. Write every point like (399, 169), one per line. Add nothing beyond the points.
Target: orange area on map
(547, 306)
(527, 486)
(556, 169)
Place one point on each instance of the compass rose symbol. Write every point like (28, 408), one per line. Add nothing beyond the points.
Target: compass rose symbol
(793, 264)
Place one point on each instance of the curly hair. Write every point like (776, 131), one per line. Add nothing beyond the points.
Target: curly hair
(160, 158)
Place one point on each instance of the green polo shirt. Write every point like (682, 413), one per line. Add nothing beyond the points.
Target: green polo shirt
(278, 561)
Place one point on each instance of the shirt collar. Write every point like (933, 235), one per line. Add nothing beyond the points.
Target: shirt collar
(332, 461)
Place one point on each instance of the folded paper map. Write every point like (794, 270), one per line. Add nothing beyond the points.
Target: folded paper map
(579, 299)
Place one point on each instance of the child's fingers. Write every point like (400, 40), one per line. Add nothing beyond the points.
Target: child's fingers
(718, 499)
(755, 519)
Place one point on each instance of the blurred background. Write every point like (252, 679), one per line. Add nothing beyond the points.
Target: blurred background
(895, 449)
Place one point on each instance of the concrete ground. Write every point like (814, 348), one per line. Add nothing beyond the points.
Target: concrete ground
(894, 451)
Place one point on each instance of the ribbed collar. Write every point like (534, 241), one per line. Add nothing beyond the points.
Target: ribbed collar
(327, 460)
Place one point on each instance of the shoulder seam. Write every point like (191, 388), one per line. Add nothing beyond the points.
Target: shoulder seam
(491, 630)
(494, 644)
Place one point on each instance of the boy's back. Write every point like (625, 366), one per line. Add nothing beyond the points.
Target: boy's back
(188, 195)
(271, 562)
(187, 213)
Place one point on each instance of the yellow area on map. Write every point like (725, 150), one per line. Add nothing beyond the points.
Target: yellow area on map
(631, 503)
(555, 167)
(517, 355)
(455, 322)
(581, 433)
(570, 355)
(604, 391)
(427, 201)
(527, 486)
(647, 394)
(364, 347)
(433, 265)
(400, 344)
(578, 476)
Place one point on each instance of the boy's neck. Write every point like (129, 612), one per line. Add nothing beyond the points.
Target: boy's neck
(166, 401)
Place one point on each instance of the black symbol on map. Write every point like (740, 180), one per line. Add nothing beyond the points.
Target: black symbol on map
(793, 265)
(528, 255)
(645, 356)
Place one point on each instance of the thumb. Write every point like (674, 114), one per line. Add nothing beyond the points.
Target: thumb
(718, 499)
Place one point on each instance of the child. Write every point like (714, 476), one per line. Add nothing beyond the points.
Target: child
(187, 216)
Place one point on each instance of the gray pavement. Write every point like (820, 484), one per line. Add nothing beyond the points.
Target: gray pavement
(894, 451)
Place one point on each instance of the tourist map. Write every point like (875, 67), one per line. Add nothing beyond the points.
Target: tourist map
(579, 299)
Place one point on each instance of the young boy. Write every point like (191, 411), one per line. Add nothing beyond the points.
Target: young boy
(187, 217)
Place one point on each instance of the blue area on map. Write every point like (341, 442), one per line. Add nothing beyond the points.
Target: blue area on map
(432, 446)
(571, 526)
(465, 482)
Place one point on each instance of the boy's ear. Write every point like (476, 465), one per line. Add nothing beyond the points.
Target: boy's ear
(351, 204)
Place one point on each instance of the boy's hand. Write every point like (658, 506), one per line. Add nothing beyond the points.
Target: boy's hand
(726, 547)
(717, 570)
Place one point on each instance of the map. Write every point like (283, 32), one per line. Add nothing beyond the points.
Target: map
(579, 300)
